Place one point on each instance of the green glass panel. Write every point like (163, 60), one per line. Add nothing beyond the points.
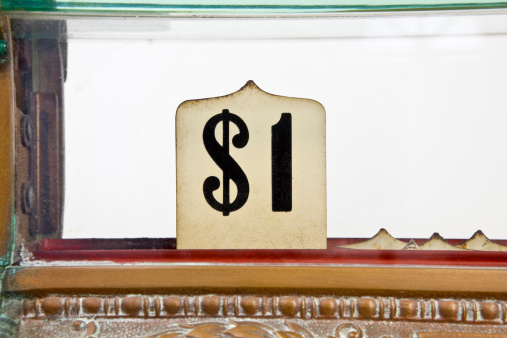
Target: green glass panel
(251, 6)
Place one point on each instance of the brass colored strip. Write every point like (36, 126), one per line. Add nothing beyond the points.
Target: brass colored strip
(6, 145)
(446, 334)
(255, 278)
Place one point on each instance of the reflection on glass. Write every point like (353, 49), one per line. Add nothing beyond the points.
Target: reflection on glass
(415, 117)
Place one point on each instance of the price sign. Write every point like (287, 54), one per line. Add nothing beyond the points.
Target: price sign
(251, 172)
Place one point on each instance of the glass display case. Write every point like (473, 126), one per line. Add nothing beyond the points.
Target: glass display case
(414, 143)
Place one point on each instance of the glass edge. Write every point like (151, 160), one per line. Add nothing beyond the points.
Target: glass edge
(91, 8)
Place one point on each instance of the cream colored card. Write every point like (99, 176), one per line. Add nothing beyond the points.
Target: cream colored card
(251, 172)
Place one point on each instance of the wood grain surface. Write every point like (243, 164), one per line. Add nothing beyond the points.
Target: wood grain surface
(6, 147)
(257, 278)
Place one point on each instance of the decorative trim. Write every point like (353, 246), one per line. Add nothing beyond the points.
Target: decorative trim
(252, 329)
(384, 241)
(238, 306)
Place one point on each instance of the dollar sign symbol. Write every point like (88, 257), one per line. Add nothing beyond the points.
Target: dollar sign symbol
(231, 169)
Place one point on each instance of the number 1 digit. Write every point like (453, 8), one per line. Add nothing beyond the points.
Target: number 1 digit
(281, 164)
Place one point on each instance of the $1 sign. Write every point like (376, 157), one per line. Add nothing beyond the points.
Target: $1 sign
(281, 148)
(250, 172)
